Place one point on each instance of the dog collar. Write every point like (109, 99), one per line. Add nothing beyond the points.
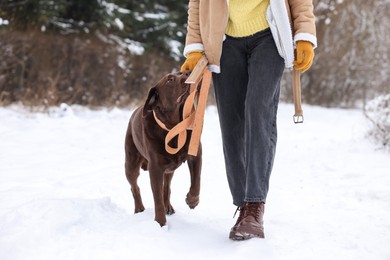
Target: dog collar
(159, 122)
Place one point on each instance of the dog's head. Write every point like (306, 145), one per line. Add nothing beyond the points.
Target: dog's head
(168, 95)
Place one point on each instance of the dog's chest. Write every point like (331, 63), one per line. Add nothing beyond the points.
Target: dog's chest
(175, 162)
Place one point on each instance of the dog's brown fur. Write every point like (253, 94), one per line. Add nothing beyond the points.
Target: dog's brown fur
(145, 147)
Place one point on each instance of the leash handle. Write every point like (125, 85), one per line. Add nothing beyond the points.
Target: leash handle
(197, 72)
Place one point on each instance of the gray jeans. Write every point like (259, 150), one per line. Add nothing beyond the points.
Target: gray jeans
(247, 94)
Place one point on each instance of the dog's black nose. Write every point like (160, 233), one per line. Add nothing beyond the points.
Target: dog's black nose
(187, 73)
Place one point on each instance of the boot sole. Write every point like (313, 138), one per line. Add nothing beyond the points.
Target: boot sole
(239, 236)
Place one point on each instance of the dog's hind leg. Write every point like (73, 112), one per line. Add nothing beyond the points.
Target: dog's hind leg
(195, 167)
(167, 193)
(133, 163)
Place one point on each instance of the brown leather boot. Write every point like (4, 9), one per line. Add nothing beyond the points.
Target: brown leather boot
(249, 223)
(240, 217)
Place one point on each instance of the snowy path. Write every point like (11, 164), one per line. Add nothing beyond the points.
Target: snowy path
(63, 193)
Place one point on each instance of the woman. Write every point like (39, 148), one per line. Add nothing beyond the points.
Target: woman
(248, 44)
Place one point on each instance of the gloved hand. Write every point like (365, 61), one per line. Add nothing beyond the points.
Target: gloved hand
(305, 56)
(191, 61)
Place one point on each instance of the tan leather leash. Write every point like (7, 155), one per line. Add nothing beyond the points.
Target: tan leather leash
(195, 105)
(296, 90)
(193, 111)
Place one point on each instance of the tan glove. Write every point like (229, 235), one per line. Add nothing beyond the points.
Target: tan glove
(305, 56)
(191, 61)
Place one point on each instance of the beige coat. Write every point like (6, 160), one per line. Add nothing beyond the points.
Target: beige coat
(289, 20)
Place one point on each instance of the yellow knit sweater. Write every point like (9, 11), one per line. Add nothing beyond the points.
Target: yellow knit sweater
(246, 17)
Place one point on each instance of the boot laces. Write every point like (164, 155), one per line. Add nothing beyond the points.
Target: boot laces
(252, 209)
(241, 216)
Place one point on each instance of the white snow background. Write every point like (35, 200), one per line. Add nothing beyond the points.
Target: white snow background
(64, 195)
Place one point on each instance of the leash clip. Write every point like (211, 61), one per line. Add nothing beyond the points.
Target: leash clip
(298, 119)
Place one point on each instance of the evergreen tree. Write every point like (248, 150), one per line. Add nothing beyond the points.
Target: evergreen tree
(60, 15)
(158, 25)
(155, 24)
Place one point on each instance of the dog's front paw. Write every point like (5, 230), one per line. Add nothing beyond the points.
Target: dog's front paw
(161, 221)
(192, 201)
(169, 210)
(139, 209)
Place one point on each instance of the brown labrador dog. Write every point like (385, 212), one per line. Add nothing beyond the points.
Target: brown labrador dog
(145, 146)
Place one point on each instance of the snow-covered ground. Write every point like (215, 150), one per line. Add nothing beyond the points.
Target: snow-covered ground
(64, 195)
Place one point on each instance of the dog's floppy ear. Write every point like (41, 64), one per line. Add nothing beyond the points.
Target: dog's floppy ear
(151, 101)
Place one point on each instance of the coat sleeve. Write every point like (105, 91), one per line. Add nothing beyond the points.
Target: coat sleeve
(303, 21)
(193, 38)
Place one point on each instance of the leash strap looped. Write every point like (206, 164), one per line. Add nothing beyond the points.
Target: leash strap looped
(193, 111)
